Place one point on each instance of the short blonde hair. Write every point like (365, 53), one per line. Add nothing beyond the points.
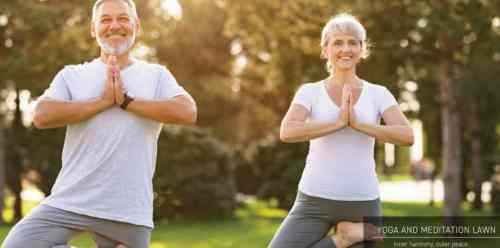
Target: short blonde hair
(347, 24)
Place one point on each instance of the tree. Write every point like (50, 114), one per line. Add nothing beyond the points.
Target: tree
(445, 58)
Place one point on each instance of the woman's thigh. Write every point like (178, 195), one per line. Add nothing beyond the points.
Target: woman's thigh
(306, 224)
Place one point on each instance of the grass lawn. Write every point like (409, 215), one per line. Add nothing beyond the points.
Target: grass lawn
(253, 227)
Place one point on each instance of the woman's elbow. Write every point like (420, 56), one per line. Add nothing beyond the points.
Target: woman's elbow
(409, 139)
(285, 137)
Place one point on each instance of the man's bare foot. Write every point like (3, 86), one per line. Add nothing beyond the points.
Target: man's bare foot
(349, 233)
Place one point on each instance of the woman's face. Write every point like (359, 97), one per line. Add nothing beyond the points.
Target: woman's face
(343, 51)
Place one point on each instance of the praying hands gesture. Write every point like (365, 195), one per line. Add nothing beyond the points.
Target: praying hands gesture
(347, 116)
(113, 90)
(296, 126)
(397, 129)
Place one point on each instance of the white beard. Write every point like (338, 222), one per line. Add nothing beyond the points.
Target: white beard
(118, 49)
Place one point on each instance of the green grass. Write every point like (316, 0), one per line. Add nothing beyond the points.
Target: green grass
(395, 177)
(252, 227)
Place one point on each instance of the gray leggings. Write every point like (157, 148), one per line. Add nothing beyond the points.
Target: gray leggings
(49, 227)
(311, 218)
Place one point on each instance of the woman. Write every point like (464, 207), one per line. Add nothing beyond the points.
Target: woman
(340, 117)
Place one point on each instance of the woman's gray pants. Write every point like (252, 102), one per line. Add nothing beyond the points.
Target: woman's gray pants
(311, 219)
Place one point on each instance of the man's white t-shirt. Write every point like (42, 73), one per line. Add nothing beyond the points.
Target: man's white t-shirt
(341, 165)
(108, 161)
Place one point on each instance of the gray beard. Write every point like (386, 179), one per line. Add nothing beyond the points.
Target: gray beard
(116, 50)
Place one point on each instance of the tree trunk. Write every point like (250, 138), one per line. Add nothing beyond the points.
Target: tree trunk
(477, 172)
(2, 173)
(452, 159)
(14, 159)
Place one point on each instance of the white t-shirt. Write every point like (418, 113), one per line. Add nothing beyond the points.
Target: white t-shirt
(341, 165)
(108, 161)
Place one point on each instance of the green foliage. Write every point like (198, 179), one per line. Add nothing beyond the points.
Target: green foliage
(272, 170)
(194, 175)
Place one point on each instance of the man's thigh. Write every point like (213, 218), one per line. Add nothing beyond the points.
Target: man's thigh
(108, 233)
(43, 227)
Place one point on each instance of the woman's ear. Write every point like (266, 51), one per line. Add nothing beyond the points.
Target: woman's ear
(323, 53)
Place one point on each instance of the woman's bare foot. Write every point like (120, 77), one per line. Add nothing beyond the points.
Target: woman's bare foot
(349, 233)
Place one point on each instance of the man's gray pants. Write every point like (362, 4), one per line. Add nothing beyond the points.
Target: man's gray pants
(49, 227)
(311, 219)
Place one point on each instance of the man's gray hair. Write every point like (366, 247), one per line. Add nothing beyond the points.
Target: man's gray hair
(130, 4)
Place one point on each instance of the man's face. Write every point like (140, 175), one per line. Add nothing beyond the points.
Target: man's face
(114, 27)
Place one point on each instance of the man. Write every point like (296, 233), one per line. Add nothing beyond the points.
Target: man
(113, 108)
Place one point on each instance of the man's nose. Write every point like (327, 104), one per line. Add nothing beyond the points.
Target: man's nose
(114, 25)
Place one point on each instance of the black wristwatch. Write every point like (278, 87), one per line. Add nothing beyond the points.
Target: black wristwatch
(128, 99)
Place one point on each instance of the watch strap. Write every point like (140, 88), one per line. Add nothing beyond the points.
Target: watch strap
(126, 101)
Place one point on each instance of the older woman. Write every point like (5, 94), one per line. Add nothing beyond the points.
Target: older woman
(340, 117)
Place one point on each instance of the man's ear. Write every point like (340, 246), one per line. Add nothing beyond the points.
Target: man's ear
(138, 26)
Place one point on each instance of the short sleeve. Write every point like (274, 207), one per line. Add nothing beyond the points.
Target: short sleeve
(385, 100)
(304, 96)
(58, 89)
(168, 86)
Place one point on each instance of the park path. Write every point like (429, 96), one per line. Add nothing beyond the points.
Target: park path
(393, 191)
(413, 191)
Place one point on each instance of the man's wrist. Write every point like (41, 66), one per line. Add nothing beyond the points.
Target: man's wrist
(104, 103)
(127, 99)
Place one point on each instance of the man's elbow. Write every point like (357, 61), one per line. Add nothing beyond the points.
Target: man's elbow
(190, 116)
(40, 122)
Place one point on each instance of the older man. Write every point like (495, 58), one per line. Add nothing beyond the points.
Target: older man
(113, 107)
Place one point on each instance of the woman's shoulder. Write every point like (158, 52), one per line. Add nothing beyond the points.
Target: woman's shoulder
(311, 86)
(374, 87)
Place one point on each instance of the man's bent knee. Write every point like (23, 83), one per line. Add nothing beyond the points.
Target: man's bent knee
(18, 242)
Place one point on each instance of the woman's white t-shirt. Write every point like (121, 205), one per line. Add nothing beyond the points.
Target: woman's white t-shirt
(341, 165)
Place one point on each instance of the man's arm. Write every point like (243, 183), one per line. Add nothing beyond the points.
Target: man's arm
(50, 113)
(178, 110)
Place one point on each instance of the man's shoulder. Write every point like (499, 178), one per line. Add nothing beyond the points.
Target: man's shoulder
(149, 65)
(82, 67)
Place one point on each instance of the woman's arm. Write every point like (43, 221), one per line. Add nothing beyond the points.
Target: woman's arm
(296, 128)
(397, 129)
